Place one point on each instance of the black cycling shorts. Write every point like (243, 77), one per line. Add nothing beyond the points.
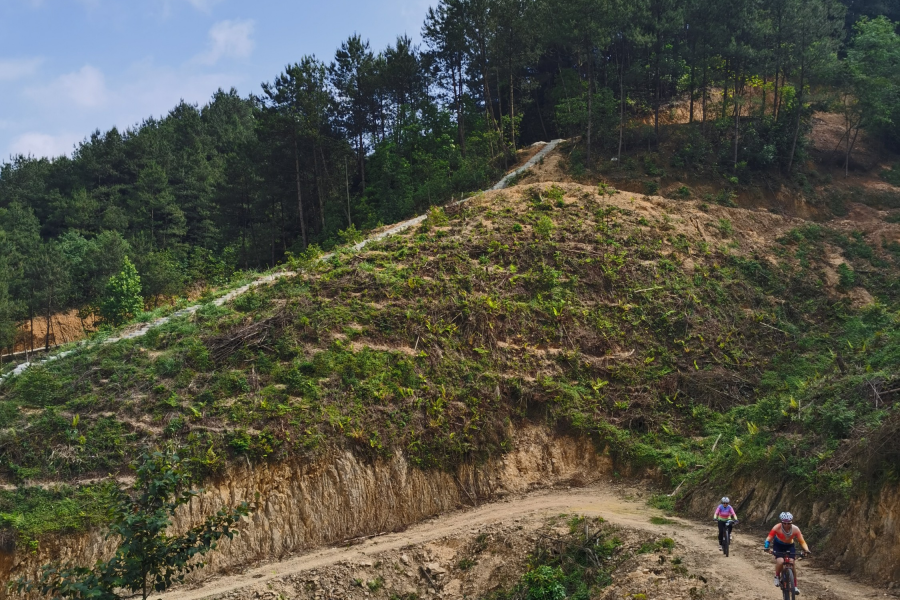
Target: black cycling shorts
(784, 549)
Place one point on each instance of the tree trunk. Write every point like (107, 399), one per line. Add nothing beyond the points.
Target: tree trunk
(512, 111)
(488, 101)
(737, 130)
(590, 107)
(691, 117)
(799, 113)
(457, 99)
(656, 108)
(725, 91)
(762, 113)
(737, 119)
(47, 332)
(500, 121)
(621, 108)
(272, 229)
(319, 187)
(347, 178)
(362, 164)
(299, 197)
(850, 145)
(705, 73)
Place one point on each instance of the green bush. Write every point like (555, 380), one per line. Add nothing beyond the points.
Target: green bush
(122, 299)
(544, 227)
(544, 583)
(38, 387)
(249, 302)
(892, 175)
(846, 276)
(725, 228)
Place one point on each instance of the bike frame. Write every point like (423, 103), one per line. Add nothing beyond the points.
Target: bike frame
(788, 564)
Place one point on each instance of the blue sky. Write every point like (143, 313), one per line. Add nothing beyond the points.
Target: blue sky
(68, 67)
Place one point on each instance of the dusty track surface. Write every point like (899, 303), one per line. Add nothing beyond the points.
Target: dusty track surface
(745, 575)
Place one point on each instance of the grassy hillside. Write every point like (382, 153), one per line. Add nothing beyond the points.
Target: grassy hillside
(656, 326)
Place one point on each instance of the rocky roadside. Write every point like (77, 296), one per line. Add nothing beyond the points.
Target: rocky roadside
(483, 563)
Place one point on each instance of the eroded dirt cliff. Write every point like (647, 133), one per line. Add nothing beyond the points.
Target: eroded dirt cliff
(303, 505)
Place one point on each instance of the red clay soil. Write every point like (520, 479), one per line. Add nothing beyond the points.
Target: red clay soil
(65, 327)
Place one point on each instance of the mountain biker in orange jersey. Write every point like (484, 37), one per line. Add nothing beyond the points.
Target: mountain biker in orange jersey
(782, 539)
(724, 513)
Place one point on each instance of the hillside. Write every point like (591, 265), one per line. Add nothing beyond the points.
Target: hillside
(661, 329)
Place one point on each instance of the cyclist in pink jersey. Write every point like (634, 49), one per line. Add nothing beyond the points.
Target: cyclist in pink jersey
(724, 513)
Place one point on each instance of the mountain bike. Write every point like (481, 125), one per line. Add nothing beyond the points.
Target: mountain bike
(726, 543)
(787, 581)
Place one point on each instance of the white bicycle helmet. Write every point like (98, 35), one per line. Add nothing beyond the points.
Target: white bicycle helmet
(787, 517)
(725, 500)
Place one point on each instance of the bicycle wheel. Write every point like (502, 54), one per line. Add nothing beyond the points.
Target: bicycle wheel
(726, 542)
(787, 584)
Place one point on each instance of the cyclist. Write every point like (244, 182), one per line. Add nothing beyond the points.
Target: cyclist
(782, 539)
(724, 513)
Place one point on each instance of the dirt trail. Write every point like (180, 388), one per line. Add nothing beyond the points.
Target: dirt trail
(745, 575)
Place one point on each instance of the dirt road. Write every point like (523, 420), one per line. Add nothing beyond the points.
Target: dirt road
(745, 575)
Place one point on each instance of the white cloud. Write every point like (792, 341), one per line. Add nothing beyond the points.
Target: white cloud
(42, 144)
(85, 88)
(16, 68)
(228, 39)
(203, 5)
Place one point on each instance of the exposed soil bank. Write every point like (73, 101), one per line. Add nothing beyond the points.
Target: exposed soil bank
(304, 505)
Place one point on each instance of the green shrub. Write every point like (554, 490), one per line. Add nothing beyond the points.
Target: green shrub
(544, 227)
(555, 193)
(38, 387)
(725, 228)
(250, 301)
(122, 299)
(846, 276)
(604, 189)
(544, 583)
(650, 167)
(376, 584)
(726, 198)
(892, 175)
(351, 235)
(662, 502)
(651, 187)
(436, 217)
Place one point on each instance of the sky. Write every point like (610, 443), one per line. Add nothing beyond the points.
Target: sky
(70, 67)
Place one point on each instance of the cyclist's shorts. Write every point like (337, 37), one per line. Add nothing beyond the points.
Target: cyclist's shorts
(789, 549)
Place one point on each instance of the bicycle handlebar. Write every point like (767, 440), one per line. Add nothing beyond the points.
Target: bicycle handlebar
(800, 555)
